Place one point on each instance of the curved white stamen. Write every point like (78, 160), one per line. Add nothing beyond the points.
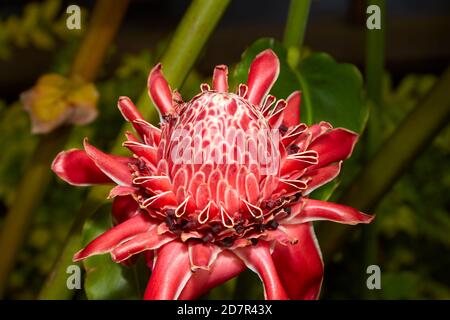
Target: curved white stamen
(268, 102)
(144, 179)
(279, 107)
(205, 212)
(205, 87)
(224, 213)
(310, 156)
(138, 144)
(151, 200)
(298, 184)
(242, 90)
(295, 131)
(181, 209)
(251, 207)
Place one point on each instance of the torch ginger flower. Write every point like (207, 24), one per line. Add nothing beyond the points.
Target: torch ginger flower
(222, 186)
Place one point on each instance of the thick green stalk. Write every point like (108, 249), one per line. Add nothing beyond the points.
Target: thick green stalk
(30, 191)
(374, 70)
(190, 37)
(374, 65)
(410, 138)
(294, 32)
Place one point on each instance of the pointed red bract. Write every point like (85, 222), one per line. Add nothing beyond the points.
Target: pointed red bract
(75, 167)
(259, 260)
(170, 273)
(115, 167)
(220, 78)
(131, 114)
(110, 239)
(316, 210)
(300, 265)
(291, 113)
(226, 267)
(123, 208)
(149, 240)
(159, 91)
(321, 176)
(262, 75)
(334, 145)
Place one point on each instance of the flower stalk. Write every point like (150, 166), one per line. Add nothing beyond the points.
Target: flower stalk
(31, 189)
(188, 40)
(374, 72)
(294, 32)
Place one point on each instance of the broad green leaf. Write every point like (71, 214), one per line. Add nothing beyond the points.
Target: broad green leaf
(332, 92)
(106, 279)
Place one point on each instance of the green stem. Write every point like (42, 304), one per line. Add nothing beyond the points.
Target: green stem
(374, 64)
(106, 19)
(190, 37)
(410, 138)
(30, 191)
(375, 56)
(374, 70)
(294, 32)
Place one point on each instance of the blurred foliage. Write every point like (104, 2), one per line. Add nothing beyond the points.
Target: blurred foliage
(415, 222)
(413, 219)
(41, 25)
(17, 144)
(52, 220)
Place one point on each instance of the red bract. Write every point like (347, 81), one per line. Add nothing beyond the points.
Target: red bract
(222, 186)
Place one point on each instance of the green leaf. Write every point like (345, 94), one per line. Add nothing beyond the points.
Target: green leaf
(326, 191)
(332, 92)
(287, 81)
(106, 279)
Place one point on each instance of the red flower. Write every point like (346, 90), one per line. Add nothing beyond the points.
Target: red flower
(222, 186)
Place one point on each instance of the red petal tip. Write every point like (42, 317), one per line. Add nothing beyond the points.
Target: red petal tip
(159, 90)
(220, 78)
(291, 116)
(262, 75)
